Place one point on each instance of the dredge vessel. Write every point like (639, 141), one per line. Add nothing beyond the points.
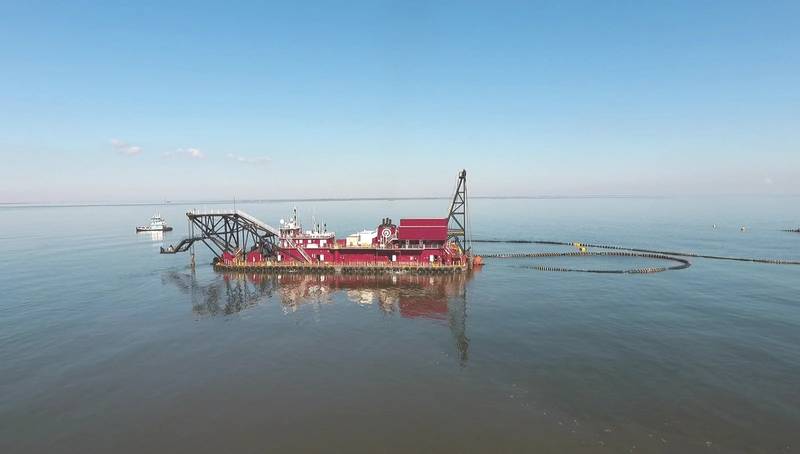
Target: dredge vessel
(241, 242)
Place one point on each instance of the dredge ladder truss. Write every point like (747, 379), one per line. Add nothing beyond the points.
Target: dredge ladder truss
(458, 216)
(227, 231)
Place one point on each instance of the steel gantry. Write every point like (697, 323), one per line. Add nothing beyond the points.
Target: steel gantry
(458, 217)
(231, 231)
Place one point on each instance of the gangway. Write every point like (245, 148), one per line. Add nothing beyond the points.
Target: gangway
(302, 252)
(257, 222)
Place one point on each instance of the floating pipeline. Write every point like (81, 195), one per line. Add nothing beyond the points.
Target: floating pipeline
(681, 263)
(644, 251)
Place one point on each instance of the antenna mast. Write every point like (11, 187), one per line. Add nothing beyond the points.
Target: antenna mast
(457, 219)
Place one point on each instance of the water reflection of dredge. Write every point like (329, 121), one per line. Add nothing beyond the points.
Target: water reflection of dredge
(425, 296)
(220, 297)
(437, 297)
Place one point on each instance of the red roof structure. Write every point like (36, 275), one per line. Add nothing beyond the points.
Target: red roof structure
(433, 229)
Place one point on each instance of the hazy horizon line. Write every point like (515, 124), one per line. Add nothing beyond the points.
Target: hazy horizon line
(367, 199)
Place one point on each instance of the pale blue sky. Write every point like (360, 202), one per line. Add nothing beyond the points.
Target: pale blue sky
(141, 101)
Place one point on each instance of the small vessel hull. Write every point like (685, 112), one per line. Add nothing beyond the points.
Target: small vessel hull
(150, 229)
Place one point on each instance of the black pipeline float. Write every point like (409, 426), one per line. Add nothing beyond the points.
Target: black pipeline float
(681, 263)
(619, 251)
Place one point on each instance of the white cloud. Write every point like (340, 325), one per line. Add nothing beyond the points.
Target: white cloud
(250, 159)
(768, 180)
(125, 148)
(192, 153)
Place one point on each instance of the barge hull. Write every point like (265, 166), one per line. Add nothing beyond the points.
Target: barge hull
(339, 268)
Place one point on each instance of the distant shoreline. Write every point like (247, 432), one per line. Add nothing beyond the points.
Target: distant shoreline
(359, 199)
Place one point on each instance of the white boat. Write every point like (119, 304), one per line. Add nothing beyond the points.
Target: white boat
(157, 224)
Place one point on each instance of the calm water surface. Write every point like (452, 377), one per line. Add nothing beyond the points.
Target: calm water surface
(105, 345)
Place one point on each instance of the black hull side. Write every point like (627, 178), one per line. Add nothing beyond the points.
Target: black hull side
(147, 229)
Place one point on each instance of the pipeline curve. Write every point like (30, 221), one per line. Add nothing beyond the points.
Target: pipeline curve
(647, 251)
(681, 263)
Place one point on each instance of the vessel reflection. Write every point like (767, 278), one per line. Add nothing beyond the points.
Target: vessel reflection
(150, 236)
(156, 236)
(435, 297)
(220, 297)
(408, 295)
